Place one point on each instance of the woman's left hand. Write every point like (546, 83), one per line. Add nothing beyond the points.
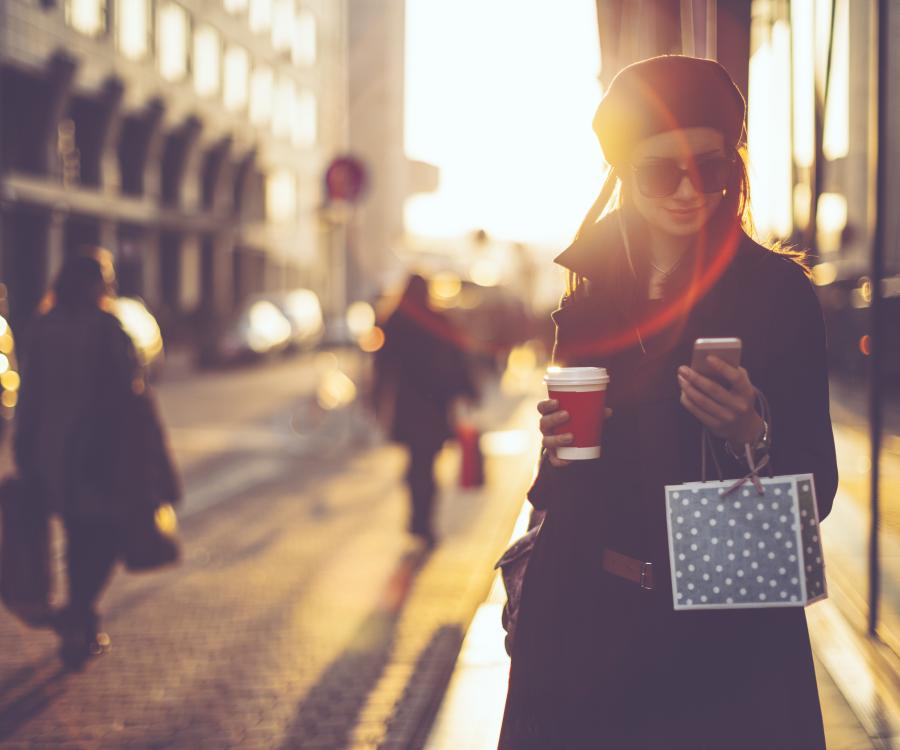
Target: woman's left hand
(729, 412)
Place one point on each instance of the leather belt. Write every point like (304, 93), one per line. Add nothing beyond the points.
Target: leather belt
(629, 568)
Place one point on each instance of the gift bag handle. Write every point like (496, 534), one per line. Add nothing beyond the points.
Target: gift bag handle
(706, 448)
(762, 405)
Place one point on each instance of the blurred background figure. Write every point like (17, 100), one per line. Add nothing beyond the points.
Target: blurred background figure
(77, 446)
(419, 373)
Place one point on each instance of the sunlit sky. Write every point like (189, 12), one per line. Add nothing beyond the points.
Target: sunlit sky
(500, 96)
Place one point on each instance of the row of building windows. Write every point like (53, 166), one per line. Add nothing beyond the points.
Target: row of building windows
(184, 49)
(293, 30)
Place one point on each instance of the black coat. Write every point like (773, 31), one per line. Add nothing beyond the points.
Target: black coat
(88, 435)
(419, 371)
(598, 662)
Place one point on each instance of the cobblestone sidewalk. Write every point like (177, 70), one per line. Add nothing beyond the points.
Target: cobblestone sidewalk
(302, 617)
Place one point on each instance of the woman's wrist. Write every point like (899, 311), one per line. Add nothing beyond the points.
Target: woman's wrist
(757, 433)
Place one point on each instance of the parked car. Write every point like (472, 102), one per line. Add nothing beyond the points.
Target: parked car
(260, 329)
(303, 311)
(143, 329)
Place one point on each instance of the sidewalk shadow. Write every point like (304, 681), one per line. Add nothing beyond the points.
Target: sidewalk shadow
(34, 701)
(329, 712)
(410, 723)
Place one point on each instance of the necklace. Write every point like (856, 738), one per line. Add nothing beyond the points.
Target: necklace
(672, 268)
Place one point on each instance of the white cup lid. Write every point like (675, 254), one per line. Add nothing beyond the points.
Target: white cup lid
(576, 376)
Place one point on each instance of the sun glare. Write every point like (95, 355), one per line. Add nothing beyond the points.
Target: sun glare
(500, 97)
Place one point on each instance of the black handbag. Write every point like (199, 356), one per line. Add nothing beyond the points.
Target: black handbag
(149, 538)
(141, 474)
(513, 565)
(25, 576)
(147, 476)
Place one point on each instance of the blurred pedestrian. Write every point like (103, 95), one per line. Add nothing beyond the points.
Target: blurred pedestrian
(79, 447)
(599, 657)
(419, 373)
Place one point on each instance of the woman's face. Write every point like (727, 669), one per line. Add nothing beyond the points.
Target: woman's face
(684, 211)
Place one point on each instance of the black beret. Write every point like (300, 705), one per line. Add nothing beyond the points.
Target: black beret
(665, 93)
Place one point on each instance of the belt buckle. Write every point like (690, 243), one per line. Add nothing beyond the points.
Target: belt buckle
(646, 570)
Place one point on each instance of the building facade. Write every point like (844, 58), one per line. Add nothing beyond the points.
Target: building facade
(377, 97)
(813, 126)
(188, 137)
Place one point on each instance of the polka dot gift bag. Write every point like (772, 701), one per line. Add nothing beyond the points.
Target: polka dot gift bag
(751, 542)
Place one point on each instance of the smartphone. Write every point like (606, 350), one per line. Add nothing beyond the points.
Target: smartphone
(726, 349)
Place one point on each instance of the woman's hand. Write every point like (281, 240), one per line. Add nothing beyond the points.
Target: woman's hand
(729, 412)
(551, 418)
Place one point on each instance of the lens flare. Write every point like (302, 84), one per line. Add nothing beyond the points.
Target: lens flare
(372, 341)
(335, 391)
(10, 380)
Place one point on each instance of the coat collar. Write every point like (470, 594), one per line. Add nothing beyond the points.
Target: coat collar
(600, 245)
(592, 250)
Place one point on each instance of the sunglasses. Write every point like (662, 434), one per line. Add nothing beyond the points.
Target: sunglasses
(661, 177)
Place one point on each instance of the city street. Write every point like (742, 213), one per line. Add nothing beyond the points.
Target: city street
(288, 215)
(302, 614)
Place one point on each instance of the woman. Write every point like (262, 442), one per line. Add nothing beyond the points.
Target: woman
(75, 445)
(598, 661)
(419, 373)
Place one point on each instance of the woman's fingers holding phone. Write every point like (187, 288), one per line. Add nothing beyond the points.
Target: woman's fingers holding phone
(736, 377)
(694, 396)
(711, 388)
(704, 417)
(728, 412)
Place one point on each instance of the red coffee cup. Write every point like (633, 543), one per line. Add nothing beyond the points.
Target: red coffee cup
(581, 391)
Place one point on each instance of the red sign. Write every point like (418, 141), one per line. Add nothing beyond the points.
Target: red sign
(346, 179)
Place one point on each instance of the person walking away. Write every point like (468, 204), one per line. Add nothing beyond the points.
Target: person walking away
(419, 373)
(73, 443)
(600, 658)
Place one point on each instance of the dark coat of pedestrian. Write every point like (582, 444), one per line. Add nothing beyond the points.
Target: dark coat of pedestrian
(419, 373)
(597, 660)
(79, 445)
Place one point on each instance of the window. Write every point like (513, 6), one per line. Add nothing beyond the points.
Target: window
(284, 108)
(282, 25)
(836, 136)
(87, 16)
(133, 28)
(803, 84)
(260, 15)
(303, 127)
(281, 196)
(235, 6)
(207, 60)
(303, 51)
(237, 72)
(261, 95)
(172, 45)
(769, 133)
(831, 220)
